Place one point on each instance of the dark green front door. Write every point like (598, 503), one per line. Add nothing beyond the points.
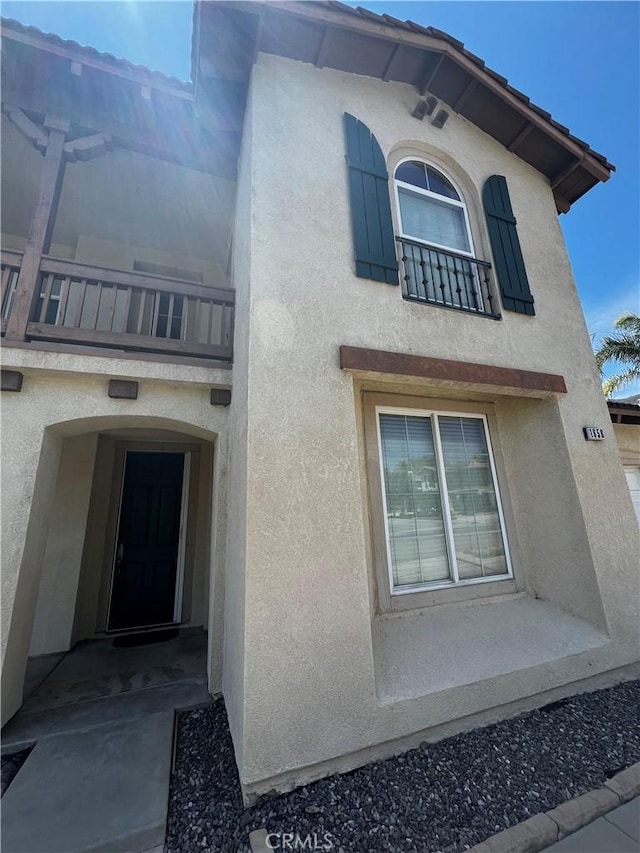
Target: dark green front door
(146, 564)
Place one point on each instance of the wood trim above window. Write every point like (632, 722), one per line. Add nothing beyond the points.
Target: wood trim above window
(403, 364)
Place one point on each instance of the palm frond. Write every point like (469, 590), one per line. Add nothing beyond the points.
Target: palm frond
(622, 345)
(611, 385)
(629, 322)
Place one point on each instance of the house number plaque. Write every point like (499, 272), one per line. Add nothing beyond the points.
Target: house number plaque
(593, 433)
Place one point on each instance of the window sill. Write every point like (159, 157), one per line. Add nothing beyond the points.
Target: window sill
(435, 649)
(401, 602)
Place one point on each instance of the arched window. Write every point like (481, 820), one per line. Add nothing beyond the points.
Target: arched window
(438, 264)
(430, 209)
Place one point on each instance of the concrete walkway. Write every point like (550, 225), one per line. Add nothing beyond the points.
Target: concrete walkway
(102, 719)
(616, 832)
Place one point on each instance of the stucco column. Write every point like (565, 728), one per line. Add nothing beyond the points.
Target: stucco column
(29, 475)
(58, 589)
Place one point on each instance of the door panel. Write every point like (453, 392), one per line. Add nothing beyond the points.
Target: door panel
(144, 580)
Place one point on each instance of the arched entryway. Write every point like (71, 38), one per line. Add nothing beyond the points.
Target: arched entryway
(121, 541)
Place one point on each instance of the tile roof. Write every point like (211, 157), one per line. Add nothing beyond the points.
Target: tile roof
(124, 65)
(624, 404)
(411, 26)
(94, 56)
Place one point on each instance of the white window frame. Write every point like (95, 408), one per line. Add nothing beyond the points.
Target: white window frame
(435, 197)
(455, 581)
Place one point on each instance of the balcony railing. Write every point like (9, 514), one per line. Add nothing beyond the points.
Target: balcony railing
(132, 312)
(10, 263)
(448, 279)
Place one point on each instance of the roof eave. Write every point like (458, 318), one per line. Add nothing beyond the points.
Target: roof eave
(573, 167)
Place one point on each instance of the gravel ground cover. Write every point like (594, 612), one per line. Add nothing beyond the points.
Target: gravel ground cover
(444, 796)
(10, 766)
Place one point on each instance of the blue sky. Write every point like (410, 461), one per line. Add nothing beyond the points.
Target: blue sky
(578, 60)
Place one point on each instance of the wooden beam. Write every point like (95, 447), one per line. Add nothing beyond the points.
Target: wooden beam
(520, 137)
(75, 270)
(110, 352)
(325, 45)
(258, 36)
(27, 128)
(40, 229)
(10, 257)
(403, 364)
(388, 71)
(561, 176)
(216, 157)
(88, 147)
(424, 86)
(148, 343)
(562, 205)
(466, 94)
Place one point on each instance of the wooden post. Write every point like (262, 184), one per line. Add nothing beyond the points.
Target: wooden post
(40, 230)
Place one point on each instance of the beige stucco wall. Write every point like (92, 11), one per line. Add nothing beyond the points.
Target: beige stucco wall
(158, 207)
(97, 543)
(120, 255)
(174, 217)
(239, 475)
(19, 157)
(121, 207)
(303, 623)
(58, 403)
(628, 439)
(53, 622)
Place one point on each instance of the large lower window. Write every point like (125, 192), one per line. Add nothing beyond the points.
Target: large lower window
(443, 520)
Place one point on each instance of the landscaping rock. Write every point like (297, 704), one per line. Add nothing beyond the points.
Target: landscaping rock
(445, 797)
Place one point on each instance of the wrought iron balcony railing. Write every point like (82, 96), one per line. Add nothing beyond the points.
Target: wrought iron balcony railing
(448, 279)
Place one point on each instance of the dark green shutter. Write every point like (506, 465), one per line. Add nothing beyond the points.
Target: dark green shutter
(507, 254)
(373, 236)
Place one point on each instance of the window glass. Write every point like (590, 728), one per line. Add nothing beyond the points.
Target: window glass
(426, 218)
(437, 183)
(472, 498)
(431, 211)
(426, 545)
(426, 178)
(412, 173)
(413, 503)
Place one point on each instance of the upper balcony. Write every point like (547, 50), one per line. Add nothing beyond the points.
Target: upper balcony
(129, 312)
(137, 256)
(118, 201)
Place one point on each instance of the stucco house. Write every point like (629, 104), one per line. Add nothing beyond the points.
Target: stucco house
(294, 353)
(625, 417)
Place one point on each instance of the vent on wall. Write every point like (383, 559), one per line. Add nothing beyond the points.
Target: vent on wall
(167, 272)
